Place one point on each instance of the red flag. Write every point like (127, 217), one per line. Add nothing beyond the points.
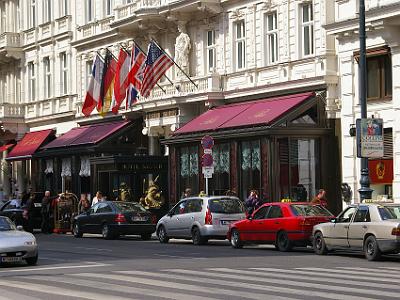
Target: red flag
(93, 93)
(157, 64)
(121, 79)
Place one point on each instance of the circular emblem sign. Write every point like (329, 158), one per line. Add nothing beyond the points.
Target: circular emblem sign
(207, 142)
(207, 160)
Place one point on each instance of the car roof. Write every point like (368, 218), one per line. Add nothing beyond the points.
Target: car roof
(210, 197)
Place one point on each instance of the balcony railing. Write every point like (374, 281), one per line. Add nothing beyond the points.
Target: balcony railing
(125, 11)
(8, 110)
(10, 39)
(94, 28)
(50, 107)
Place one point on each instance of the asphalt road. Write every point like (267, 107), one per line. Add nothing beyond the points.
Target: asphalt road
(129, 268)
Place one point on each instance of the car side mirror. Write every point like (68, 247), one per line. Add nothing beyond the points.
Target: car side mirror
(20, 228)
(249, 217)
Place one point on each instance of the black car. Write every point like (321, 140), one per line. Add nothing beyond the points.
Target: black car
(14, 209)
(112, 219)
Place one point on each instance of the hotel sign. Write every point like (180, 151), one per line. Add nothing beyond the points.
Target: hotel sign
(369, 138)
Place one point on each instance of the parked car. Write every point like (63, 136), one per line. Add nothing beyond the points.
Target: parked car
(280, 223)
(112, 219)
(14, 210)
(373, 228)
(15, 244)
(200, 219)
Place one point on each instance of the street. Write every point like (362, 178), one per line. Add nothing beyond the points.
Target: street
(129, 268)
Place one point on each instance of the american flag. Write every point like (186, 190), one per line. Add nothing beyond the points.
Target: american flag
(157, 64)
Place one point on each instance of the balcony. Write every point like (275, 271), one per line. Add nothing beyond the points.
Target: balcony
(11, 111)
(63, 25)
(94, 28)
(50, 108)
(10, 46)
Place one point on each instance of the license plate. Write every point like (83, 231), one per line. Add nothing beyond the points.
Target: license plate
(139, 218)
(11, 259)
(37, 204)
(225, 222)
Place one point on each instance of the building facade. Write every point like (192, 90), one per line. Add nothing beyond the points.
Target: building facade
(382, 26)
(233, 51)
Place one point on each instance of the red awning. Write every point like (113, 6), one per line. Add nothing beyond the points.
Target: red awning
(257, 112)
(86, 135)
(6, 147)
(26, 147)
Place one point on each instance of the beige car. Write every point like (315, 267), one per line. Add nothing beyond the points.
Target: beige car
(370, 227)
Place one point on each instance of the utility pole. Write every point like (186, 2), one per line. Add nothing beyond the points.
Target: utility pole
(365, 190)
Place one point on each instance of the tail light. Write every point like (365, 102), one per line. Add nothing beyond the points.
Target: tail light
(153, 219)
(208, 218)
(396, 231)
(119, 218)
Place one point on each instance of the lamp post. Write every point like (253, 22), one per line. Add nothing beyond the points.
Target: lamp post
(365, 190)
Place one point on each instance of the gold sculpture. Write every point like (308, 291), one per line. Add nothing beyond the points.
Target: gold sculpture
(153, 197)
(124, 192)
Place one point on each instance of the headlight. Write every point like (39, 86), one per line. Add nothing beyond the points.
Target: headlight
(30, 243)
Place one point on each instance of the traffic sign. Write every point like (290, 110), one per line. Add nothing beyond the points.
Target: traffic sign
(207, 142)
(207, 160)
(208, 172)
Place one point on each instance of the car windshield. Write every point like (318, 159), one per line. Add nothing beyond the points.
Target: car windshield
(389, 212)
(225, 206)
(309, 210)
(6, 225)
(129, 206)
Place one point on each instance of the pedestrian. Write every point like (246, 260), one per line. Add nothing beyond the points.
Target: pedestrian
(99, 197)
(202, 194)
(252, 202)
(187, 193)
(45, 212)
(320, 198)
(28, 213)
(84, 204)
(231, 193)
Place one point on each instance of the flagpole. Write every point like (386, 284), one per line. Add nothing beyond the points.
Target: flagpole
(146, 56)
(126, 50)
(175, 63)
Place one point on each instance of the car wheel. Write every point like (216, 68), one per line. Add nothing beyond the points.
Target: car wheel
(283, 242)
(146, 236)
(106, 232)
(32, 261)
(371, 249)
(77, 231)
(319, 244)
(235, 239)
(162, 235)
(197, 238)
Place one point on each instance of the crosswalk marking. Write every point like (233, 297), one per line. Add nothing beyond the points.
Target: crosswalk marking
(352, 271)
(350, 283)
(204, 280)
(271, 279)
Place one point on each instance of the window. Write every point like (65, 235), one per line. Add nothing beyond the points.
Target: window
(240, 44)
(3, 17)
(63, 6)
(389, 212)
(189, 169)
(194, 205)
(47, 11)
(89, 67)
(274, 212)
(362, 215)
(32, 13)
(221, 178)
(47, 75)
(379, 77)
(31, 81)
(89, 11)
(109, 7)
(64, 73)
(346, 216)
(307, 29)
(180, 208)
(250, 167)
(211, 51)
(261, 213)
(271, 38)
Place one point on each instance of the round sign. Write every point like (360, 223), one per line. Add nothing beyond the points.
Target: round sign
(207, 160)
(207, 142)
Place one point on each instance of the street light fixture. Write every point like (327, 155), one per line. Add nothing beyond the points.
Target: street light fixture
(365, 190)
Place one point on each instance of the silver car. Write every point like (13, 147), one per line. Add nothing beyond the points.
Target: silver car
(16, 245)
(200, 219)
(370, 227)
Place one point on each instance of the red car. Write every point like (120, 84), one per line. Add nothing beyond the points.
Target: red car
(280, 223)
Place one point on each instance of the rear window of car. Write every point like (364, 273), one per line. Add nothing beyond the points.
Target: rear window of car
(309, 210)
(129, 206)
(225, 206)
(389, 212)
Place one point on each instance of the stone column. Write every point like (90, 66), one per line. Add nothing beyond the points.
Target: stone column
(21, 176)
(154, 145)
(5, 176)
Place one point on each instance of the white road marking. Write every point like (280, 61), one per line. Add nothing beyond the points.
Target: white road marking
(54, 268)
(166, 282)
(95, 249)
(352, 271)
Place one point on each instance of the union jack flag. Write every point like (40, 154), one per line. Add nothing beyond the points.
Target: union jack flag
(138, 59)
(157, 64)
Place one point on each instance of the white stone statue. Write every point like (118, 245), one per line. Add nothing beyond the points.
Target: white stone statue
(182, 50)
